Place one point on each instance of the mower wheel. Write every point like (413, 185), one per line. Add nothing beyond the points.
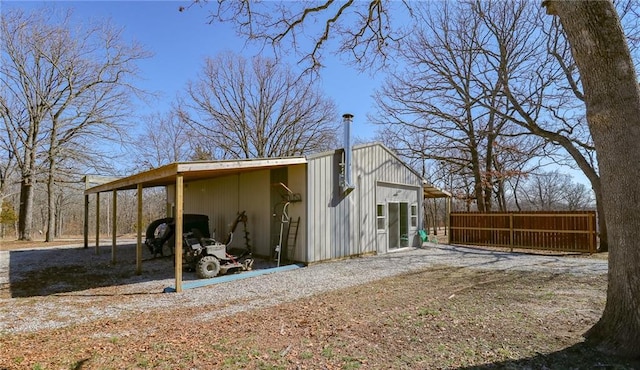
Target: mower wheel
(208, 267)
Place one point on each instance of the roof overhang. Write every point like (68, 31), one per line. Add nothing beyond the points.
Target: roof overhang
(431, 191)
(192, 171)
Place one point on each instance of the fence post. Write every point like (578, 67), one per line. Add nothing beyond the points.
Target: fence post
(450, 232)
(511, 231)
(592, 234)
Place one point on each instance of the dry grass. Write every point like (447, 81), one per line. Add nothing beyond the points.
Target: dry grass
(12, 244)
(444, 317)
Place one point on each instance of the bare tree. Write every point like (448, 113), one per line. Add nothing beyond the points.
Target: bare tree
(7, 168)
(362, 29)
(540, 77)
(530, 57)
(63, 90)
(258, 108)
(164, 139)
(554, 191)
(448, 96)
(612, 98)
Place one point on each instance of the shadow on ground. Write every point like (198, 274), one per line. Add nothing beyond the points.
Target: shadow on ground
(579, 356)
(49, 271)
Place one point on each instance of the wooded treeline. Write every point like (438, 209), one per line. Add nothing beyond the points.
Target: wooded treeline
(67, 110)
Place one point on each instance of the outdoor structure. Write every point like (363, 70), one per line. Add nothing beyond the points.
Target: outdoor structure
(345, 202)
(560, 231)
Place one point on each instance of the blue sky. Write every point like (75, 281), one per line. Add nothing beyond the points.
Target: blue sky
(181, 40)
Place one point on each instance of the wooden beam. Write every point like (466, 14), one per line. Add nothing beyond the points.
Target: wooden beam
(97, 223)
(178, 231)
(132, 181)
(448, 228)
(139, 230)
(166, 175)
(86, 221)
(213, 166)
(511, 231)
(114, 225)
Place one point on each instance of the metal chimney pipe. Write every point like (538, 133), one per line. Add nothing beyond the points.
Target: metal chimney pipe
(347, 186)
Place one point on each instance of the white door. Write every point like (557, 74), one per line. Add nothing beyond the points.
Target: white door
(398, 227)
(393, 228)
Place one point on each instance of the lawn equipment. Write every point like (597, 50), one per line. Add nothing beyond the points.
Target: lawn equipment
(201, 253)
(209, 257)
(160, 234)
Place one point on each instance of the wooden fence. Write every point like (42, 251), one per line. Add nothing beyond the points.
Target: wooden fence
(553, 231)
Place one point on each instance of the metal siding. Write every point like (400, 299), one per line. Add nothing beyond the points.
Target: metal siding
(254, 186)
(326, 218)
(313, 226)
(378, 165)
(366, 211)
(311, 205)
(342, 226)
(215, 198)
(297, 180)
(321, 214)
(222, 198)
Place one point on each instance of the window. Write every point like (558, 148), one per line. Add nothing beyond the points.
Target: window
(380, 216)
(403, 219)
(414, 215)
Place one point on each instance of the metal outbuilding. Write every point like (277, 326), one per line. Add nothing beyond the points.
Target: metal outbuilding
(346, 202)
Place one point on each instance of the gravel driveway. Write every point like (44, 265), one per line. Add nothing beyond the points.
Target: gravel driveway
(130, 294)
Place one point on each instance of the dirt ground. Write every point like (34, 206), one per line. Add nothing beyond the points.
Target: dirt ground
(12, 244)
(440, 318)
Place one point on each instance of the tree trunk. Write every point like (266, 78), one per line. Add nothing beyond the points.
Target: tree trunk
(51, 216)
(612, 97)
(602, 222)
(27, 191)
(25, 218)
(477, 181)
(51, 200)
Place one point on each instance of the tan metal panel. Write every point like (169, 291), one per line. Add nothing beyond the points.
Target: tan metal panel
(297, 183)
(222, 198)
(254, 199)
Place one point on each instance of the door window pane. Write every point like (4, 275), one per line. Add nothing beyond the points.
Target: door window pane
(394, 225)
(380, 216)
(414, 215)
(404, 224)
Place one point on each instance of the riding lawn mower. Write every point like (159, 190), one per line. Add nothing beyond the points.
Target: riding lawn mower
(201, 253)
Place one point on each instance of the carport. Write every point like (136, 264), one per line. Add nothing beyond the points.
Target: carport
(433, 192)
(173, 175)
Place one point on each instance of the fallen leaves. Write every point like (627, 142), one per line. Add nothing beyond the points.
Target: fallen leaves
(422, 320)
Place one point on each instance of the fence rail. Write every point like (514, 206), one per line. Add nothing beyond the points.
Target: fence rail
(553, 231)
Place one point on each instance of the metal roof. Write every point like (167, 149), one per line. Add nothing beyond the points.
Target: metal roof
(191, 171)
(431, 191)
(200, 170)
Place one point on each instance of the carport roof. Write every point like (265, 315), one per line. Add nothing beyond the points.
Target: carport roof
(431, 191)
(166, 175)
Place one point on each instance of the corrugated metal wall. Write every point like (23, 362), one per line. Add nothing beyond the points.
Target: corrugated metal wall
(297, 183)
(340, 225)
(333, 225)
(222, 198)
